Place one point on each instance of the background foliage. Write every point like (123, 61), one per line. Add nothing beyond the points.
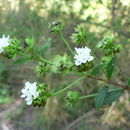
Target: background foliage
(23, 18)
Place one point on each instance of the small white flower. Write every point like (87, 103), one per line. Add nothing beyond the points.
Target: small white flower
(4, 42)
(29, 100)
(29, 92)
(83, 55)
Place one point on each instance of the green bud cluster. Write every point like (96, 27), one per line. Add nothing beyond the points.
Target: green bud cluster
(106, 60)
(109, 47)
(44, 94)
(79, 35)
(62, 63)
(72, 97)
(55, 26)
(29, 44)
(16, 47)
(13, 49)
(85, 67)
(41, 69)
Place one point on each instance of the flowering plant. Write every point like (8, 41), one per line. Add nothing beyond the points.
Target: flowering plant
(82, 62)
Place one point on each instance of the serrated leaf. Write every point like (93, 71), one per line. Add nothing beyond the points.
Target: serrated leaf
(110, 68)
(97, 69)
(101, 95)
(22, 60)
(112, 96)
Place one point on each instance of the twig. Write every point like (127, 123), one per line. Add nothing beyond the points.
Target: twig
(110, 82)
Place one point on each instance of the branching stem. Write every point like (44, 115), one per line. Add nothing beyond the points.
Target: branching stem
(39, 59)
(110, 82)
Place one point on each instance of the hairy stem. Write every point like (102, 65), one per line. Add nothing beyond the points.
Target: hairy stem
(66, 43)
(39, 58)
(110, 82)
(103, 80)
(46, 61)
(69, 86)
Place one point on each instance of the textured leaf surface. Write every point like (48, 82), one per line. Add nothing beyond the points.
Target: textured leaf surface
(112, 96)
(99, 101)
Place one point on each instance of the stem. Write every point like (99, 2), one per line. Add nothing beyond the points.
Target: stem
(103, 80)
(88, 96)
(40, 58)
(46, 61)
(69, 86)
(23, 54)
(109, 82)
(95, 94)
(66, 43)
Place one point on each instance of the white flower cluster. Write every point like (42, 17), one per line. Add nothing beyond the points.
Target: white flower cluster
(83, 55)
(29, 92)
(4, 42)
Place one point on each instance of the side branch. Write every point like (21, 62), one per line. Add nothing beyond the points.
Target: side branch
(110, 82)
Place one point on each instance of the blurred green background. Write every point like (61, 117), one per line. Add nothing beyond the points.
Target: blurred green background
(30, 18)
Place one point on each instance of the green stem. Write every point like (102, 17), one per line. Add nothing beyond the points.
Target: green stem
(23, 54)
(95, 94)
(66, 43)
(39, 59)
(69, 86)
(46, 61)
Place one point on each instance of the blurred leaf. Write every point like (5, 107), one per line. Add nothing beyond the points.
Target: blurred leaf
(112, 96)
(2, 68)
(128, 82)
(100, 1)
(99, 101)
(22, 60)
(42, 48)
(110, 68)
(4, 94)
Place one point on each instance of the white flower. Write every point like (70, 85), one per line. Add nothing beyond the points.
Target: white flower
(29, 92)
(83, 55)
(4, 42)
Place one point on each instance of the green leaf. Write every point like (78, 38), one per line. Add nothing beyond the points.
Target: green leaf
(97, 69)
(112, 96)
(99, 101)
(110, 68)
(22, 60)
(100, 1)
(128, 82)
